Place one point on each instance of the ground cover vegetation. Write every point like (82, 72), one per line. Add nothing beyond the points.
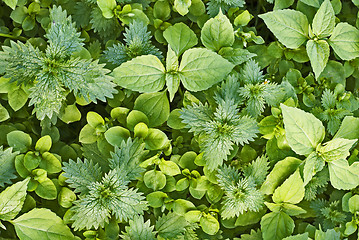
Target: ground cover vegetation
(179, 119)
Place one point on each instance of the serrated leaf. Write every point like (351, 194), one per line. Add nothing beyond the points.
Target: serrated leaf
(291, 191)
(303, 131)
(343, 176)
(43, 224)
(318, 53)
(201, 68)
(171, 226)
(335, 149)
(345, 41)
(217, 32)
(276, 226)
(143, 74)
(289, 26)
(12, 200)
(138, 229)
(80, 175)
(313, 164)
(324, 20)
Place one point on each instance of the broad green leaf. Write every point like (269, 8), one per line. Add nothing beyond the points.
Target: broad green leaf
(155, 106)
(276, 226)
(94, 119)
(313, 164)
(209, 224)
(107, 7)
(88, 135)
(324, 20)
(172, 83)
(217, 33)
(330, 234)
(201, 68)
(170, 226)
(144, 74)
(115, 135)
(180, 38)
(17, 98)
(289, 26)
(343, 176)
(42, 224)
(281, 4)
(46, 190)
(70, 114)
(303, 131)
(349, 129)
(43, 144)
(345, 41)
(50, 163)
(155, 139)
(291, 191)
(303, 236)
(354, 204)
(335, 149)
(318, 53)
(12, 200)
(7, 166)
(19, 141)
(169, 168)
(4, 114)
(279, 173)
(292, 210)
(156, 199)
(313, 3)
(182, 6)
(155, 180)
(11, 3)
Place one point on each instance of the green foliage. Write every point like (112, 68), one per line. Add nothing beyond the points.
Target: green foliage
(180, 120)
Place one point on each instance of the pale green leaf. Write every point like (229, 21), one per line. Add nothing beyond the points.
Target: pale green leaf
(291, 191)
(12, 199)
(343, 176)
(324, 20)
(313, 3)
(318, 53)
(276, 226)
(217, 33)
(42, 224)
(138, 229)
(345, 41)
(289, 26)
(349, 129)
(107, 7)
(201, 68)
(144, 74)
(303, 236)
(303, 131)
(171, 226)
(155, 106)
(4, 114)
(279, 173)
(180, 38)
(313, 164)
(11, 3)
(182, 6)
(17, 98)
(335, 149)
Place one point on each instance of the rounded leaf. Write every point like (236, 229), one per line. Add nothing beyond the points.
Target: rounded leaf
(115, 135)
(43, 144)
(19, 141)
(155, 180)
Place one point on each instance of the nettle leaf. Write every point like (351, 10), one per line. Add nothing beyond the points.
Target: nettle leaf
(144, 74)
(289, 26)
(7, 166)
(343, 176)
(12, 200)
(345, 41)
(324, 20)
(335, 149)
(291, 191)
(201, 68)
(303, 131)
(217, 33)
(41, 223)
(180, 38)
(318, 53)
(171, 226)
(138, 229)
(276, 226)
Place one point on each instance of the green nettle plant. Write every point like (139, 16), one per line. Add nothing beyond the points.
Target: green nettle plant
(179, 120)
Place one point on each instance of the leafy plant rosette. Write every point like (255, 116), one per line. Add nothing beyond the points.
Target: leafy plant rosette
(184, 119)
